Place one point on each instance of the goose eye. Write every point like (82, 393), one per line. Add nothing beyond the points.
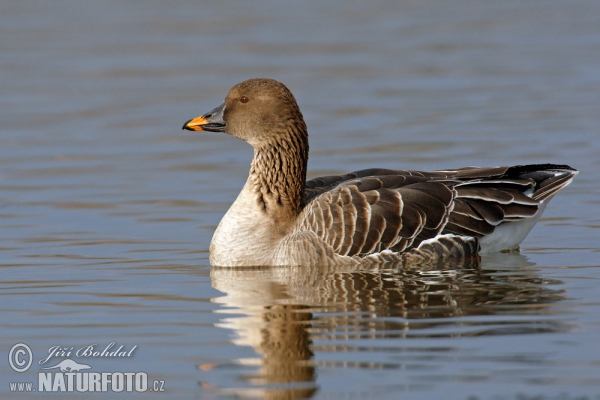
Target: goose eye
(244, 99)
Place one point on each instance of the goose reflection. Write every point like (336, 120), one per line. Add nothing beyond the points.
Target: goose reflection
(280, 312)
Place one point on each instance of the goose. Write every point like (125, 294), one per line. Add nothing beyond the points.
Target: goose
(368, 216)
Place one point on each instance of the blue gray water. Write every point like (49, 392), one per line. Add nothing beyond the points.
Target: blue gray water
(107, 207)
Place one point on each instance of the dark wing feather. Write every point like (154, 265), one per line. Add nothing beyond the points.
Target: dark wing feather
(372, 210)
(488, 197)
(317, 186)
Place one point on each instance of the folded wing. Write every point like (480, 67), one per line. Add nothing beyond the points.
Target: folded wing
(372, 210)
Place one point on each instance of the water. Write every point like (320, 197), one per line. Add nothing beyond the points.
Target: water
(107, 208)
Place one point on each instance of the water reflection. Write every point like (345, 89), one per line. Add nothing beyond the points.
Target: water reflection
(287, 314)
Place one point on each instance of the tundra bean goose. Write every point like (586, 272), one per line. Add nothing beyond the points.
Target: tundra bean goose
(367, 216)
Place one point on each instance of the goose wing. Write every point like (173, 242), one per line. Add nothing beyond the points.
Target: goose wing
(372, 210)
(489, 197)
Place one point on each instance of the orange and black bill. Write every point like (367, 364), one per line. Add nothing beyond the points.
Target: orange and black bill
(211, 121)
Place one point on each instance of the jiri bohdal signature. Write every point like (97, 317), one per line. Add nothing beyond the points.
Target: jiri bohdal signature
(92, 351)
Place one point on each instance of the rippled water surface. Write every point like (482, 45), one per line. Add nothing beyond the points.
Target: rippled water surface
(107, 208)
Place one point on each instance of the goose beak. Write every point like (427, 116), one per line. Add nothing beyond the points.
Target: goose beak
(211, 121)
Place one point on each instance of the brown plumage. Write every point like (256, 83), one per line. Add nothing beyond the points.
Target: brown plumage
(370, 215)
